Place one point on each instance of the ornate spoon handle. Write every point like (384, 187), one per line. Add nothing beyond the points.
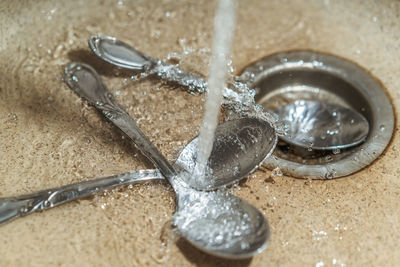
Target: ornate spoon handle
(14, 207)
(85, 81)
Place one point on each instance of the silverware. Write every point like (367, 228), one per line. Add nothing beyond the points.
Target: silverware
(122, 55)
(215, 222)
(322, 126)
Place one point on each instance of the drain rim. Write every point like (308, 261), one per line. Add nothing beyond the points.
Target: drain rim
(367, 85)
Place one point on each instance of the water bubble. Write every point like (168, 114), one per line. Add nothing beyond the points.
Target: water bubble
(336, 151)
(23, 210)
(328, 158)
(382, 127)
(46, 204)
(330, 174)
(332, 131)
(276, 172)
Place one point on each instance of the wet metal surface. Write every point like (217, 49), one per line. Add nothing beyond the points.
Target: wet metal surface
(317, 125)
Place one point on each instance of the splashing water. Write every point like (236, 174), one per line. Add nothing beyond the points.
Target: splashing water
(224, 25)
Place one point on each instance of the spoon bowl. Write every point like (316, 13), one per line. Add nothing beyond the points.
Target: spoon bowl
(221, 224)
(322, 126)
(119, 53)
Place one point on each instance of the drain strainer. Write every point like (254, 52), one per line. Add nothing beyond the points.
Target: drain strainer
(282, 78)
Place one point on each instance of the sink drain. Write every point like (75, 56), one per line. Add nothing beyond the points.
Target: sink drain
(282, 78)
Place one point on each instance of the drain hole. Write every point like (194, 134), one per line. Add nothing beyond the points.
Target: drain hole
(286, 77)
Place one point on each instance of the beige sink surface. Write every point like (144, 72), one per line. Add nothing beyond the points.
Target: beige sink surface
(49, 138)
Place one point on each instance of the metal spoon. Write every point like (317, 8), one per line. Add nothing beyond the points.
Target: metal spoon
(322, 126)
(215, 222)
(121, 54)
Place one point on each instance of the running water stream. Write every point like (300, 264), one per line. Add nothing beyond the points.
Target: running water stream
(224, 25)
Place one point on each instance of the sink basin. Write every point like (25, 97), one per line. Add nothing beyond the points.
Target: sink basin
(49, 138)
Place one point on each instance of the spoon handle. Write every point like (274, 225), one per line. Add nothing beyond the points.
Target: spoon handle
(85, 81)
(193, 82)
(14, 207)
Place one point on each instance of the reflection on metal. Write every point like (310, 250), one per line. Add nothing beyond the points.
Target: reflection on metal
(322, 126)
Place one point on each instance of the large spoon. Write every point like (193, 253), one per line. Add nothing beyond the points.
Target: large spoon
(215, 222)
(322, 126)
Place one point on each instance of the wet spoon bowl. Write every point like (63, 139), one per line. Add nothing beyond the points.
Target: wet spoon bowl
(322, 126)
(119, 53)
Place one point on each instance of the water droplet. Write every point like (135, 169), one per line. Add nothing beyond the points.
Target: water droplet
(276, 172)
(330, 174)
(382, 127)
(336, 151)
(332, 131)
